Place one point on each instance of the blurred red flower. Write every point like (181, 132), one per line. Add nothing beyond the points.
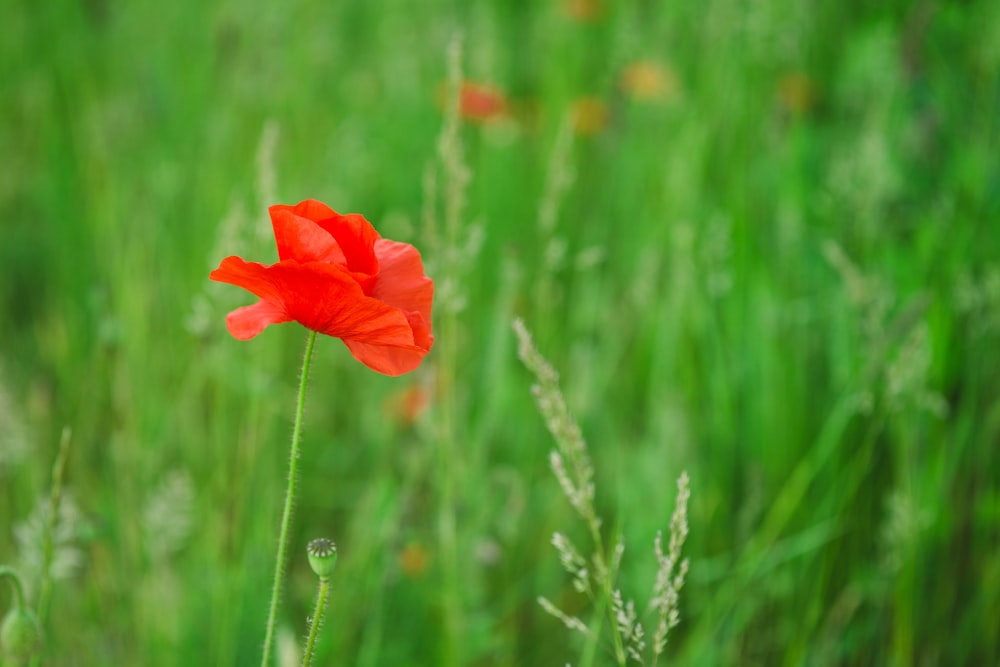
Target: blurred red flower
(479, 102)
(584, 10)
(337, 276)
(406, 405)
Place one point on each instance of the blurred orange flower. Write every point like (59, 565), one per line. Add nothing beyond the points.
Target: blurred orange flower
(648, 80)
(413, 559)
(583, 10)
(480, 102)
(590, 115)
(796, 93)
(407, 405)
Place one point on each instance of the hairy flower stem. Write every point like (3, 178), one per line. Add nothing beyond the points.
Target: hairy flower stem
(317, 620)
(447, 525)
(286, 516)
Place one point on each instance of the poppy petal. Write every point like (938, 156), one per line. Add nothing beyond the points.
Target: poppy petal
(422, 335)
(386, 360)
(246, 322)
(326, 298)
(394, 360)
(320, 296)
(310, 209)
(401, 280)
(338, 277)
(298, 236)
(251, 276)
(356, 238)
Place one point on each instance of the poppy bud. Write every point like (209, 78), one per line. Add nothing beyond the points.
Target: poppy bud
(322, 556)
(20, 634)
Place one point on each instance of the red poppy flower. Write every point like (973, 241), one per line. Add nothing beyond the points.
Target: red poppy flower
(481, 103)
(337, 276)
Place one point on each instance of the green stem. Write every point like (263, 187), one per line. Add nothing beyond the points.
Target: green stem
(317, 620)
(15, 582)
(286, 516)
(48, 548)
(589, 654)
(607, 585)
(45, 590)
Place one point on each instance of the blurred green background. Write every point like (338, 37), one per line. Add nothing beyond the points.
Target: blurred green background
(759, 240)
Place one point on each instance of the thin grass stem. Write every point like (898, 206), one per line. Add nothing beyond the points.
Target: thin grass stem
(48, 546)
(456, 179)
(55, 498)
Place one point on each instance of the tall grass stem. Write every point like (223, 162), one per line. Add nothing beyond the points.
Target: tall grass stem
(456, 177)
(55, 498)
(48, 546)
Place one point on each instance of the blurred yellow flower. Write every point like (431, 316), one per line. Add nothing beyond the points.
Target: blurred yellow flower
(413, 559)
(649, 80)
(796, 93)
(590, 115)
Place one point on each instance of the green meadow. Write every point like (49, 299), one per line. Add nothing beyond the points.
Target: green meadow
(760, 242)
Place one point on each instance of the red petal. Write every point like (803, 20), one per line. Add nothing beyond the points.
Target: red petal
(298, 236)
(386, 360)
(326, 298)
(337, 276)
(246, 322)
(422, 335)
(356, 238)
(401, 280)
(251, 276)
(392, 360)
(311, 209)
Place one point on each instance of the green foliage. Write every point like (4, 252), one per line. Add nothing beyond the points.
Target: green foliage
(780, 271)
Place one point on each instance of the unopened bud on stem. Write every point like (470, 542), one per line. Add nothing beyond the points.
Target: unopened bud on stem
(322, 556)
(20, 634)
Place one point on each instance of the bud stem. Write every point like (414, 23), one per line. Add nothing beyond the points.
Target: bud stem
(15, 582)
(317, 620)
